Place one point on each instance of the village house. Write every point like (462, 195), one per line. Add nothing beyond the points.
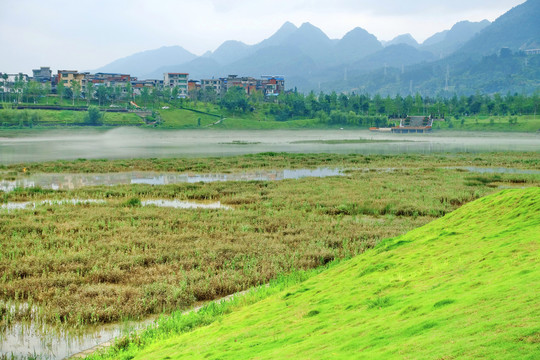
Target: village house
(138, 85)
(268, 85)
(177, 80)
(193, 85)
(68, 76)
(214, 84)
(42, 75)
(10, 82)
(272, 85)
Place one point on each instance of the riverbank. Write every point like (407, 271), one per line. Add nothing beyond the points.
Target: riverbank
(212, 117)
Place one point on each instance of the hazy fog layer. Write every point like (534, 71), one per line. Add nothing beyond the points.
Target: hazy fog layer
(125, 143)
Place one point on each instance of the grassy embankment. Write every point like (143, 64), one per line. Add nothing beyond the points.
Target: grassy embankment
(464, 286)
(208, 116)
(10, 118)
(96, 263)
(516, 123)
(185, 119)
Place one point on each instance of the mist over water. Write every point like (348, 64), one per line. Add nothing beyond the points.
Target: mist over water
(126, 143)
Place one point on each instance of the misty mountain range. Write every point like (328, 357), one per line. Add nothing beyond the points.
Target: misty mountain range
(310, 60)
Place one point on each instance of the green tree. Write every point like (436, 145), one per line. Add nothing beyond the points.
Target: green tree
(75, 90)
(145, 95)
(235, 99)
(166, 94)
(33, 89)
(5, 84)
(60, 90)
(174, 92)
(19, 86)
(94, 117)
(89, 94)
(101, 94)
(129, 91)
(46, 90)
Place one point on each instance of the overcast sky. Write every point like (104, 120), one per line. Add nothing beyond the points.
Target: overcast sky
(86, 34)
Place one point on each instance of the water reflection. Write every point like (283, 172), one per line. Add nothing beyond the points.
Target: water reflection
(177, 204)
(74, 181)
(22, 340)
(31, 204)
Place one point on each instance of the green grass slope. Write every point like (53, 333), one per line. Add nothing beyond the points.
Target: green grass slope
(463, 286)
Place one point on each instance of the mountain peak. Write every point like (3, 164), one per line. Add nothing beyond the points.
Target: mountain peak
(307, 25)
(229, 51)
(307, 29)
(287, 26)
(357, 32)
(283, 32)
(356, 44)
(403, 39)
(516, 29)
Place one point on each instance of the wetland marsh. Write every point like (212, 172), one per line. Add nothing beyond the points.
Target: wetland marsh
(110, 259)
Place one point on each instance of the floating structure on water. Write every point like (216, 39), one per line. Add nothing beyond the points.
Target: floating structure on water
(410, 124)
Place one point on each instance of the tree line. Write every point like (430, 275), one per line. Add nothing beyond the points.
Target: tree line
(332, 108)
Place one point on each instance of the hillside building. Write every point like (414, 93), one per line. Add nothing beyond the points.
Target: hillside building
(42, 75)
(179, 80)
(68, 76)
(193, 85)
(13, 82)
(272, 85)
(249, 84)
(215, 84)
(150, 84)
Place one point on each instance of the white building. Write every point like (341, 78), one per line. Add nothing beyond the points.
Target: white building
(179, 80)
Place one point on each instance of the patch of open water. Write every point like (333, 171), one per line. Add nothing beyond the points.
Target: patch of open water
(24, 339)
(75, 181)
(177, 204)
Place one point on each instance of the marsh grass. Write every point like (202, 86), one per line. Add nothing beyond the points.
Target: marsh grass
(271, 160)
(96, 263)
(460, 287)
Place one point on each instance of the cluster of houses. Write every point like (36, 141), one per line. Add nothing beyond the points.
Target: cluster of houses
(267, 85)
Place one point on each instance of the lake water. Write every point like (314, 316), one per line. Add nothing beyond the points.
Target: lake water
(92, 143)
(74, 181)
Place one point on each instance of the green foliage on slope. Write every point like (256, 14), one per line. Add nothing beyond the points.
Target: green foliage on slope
(464, 286)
